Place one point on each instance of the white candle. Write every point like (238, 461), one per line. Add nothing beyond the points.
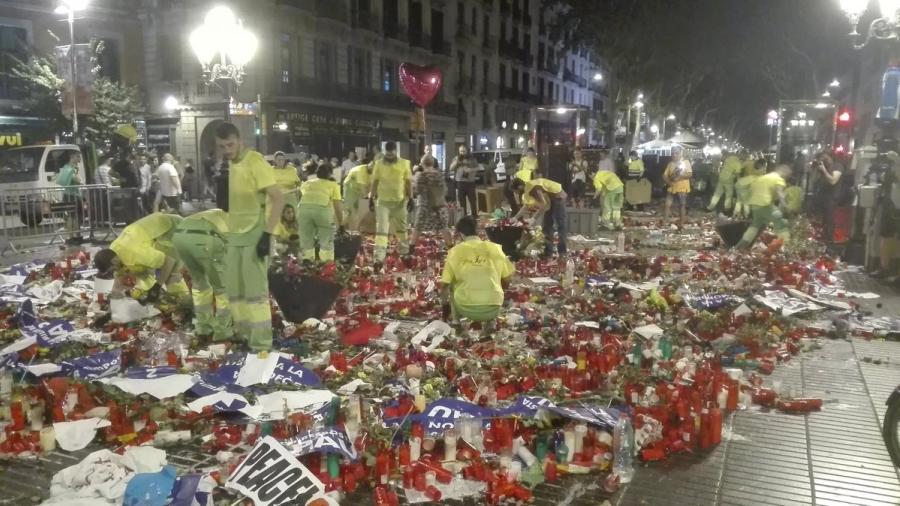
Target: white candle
(450, 437)
(48, 439)
(722, 398)
(580, 433)
(415, 448)
(569, 437)
(6, 384)
(36, 416)
(525, 454)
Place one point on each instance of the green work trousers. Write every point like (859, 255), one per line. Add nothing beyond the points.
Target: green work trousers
(761, 217)
(247, 287)
(726, 188)
(203, 250)
(612, 207)
(742, 208)
(316, 223)
(390, 217)
(475, 313)
(352, 195)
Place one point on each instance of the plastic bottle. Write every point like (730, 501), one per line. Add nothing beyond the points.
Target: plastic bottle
(889, 108)
(569, 278)
(623, 446)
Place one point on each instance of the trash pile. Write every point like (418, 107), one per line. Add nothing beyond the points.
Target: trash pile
(593, 363)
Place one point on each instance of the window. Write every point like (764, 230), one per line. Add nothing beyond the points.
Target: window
(326, 67)
(391, 13)
(13, 45)
(515, 37)
(474, 68)
(515, 79)
(527, 45)
(474, 24)
(286, 64)
(170, 57)
(503, 37)
(485, 116)
(460, 63)
(388, 77)
(358, 67)
(486, 72)
(526, 78)
(542, 63)
(485, 27)
(437, 30)
(108, 59)
(20, 165)
(502, 75)
(460, 15)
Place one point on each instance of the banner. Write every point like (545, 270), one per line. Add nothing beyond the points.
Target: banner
(96, 366)
(329, 440)
(289, 372)
(84, 78)
(271, 475)
(26, 315)
(48, 334)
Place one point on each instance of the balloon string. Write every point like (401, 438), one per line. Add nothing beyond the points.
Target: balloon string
(424, 132)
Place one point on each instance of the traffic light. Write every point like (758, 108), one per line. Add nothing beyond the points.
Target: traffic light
(843, 133)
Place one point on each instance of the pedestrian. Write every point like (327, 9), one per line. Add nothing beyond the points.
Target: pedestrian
(578, 170)
(765, 192)
(474, 277)
(146, 180)
(169, 195)
(742, 188)
(103, 172)
(606, 163)
(889, 218)
(69, 180)
(391, 188)
(677, 177)
(352, 160)
(287, 179)
(255, 203)
(144, 250)
(827, 186)
(199, 242)
(189, 182)
(465, 169)
(319, 210)
(610, 188)
(636, 168)
(431, 207)
(728, 174)
(356, 186)
(546, 201)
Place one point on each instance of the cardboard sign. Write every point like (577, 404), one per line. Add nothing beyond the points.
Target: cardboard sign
(271, 475)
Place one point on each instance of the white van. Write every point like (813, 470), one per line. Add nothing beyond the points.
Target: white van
(30, 168)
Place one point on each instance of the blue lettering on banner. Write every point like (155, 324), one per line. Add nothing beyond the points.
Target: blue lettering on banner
(604, 417)
(291, 373)
(9, 360)
(327, 440)
(24, 269)
(526, 406)
(150, 372)
(25, 315)
(48, 334)
(96, 366)
(442, 414)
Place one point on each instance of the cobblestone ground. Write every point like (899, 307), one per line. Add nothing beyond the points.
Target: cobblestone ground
(832, 457)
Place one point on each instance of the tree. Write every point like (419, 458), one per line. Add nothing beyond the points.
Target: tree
(114, 103)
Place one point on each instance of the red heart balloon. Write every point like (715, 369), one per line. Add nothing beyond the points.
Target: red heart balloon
(421, 84)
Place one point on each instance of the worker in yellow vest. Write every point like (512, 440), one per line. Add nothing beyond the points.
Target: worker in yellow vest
(357, 182)
(546, 200)
(742, 188)
(199, 241)
(391, 190)
(144, 250)
(635, 166)
(677, 177)
(765, 191)
(728, 174)
(287, 179)
(320, 209)
(610, 188)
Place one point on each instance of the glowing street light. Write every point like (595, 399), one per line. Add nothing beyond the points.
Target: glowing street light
(654, 128)
(68, 8)
(598, 77)
(834, 83)
(171, 103)
(223, 35)
(886, 27)
(671, 117)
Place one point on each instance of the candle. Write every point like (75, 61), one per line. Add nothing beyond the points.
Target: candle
(569, 436)
(515, 470)
(580, 433)
(415, 448)
(6, 383)
(48, 439)
(525, 454)
(36, 417)
(450, 436)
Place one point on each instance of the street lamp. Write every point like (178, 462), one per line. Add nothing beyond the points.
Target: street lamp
(670, 117)
(171, 103)
(223, 35)
(834, 83)
(69, 8)
(886, 27)
(654, 129)
(598, 76)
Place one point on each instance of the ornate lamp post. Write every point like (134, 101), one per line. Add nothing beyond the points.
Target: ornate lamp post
(69, 8)
(224, 47)
(886, 27)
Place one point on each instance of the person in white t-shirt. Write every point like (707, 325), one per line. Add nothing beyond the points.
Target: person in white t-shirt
(169, 194)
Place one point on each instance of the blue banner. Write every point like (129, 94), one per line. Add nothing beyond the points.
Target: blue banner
(26, 268)
(526, 406)
(291, 373)
(150, 372)
(96, 366)
(48, 334)
(442, 414)
(327, 440)
(26, 315)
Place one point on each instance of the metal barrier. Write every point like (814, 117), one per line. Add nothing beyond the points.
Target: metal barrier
(34, 214)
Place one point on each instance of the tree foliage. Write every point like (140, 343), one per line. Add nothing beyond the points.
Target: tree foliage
(114, 102)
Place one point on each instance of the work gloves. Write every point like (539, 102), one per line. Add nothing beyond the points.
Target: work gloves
(153, 294)
(264, 246)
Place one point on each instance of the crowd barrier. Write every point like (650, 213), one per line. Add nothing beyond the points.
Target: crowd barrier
(53, 214)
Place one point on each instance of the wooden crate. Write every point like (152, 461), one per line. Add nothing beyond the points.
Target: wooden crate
(489, 198)
(582, 221)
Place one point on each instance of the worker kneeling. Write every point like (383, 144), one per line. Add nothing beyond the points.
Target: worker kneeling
(474, 275)
(610, 188)
(199, 241)
(765, 190)
(320, 206)
(145, 247)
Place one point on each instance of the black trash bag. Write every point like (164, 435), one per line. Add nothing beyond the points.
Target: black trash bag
(732, 231)
(507, 237)
(346, 247)
(304, 297)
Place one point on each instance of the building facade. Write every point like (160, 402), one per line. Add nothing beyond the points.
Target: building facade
(28, 27)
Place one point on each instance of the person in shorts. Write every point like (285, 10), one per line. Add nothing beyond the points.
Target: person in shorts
(677, 177)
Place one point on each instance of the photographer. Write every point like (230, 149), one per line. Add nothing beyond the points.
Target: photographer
(828, 175)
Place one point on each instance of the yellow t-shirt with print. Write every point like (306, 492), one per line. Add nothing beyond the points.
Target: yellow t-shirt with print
(608, 181)
(475, 269)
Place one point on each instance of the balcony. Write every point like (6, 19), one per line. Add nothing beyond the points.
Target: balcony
(392, 30)
(510, 50)
(492, 90)
(465, 85)
(320, 90)
(417, 38)
(331, 10)
(365, 21)
(489, 42)
(514, 95)
(441, 47)
(570, 76)
(464, 33)
(545, 66)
